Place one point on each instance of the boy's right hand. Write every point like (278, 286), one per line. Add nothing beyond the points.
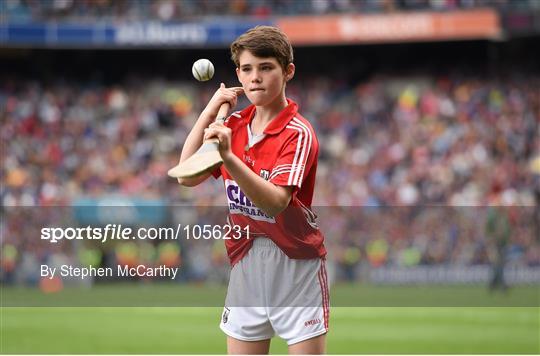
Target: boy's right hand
(223, 95)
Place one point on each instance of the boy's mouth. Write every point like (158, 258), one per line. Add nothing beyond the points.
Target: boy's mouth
(256, 89)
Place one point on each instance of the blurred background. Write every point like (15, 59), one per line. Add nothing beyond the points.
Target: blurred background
(427, 113)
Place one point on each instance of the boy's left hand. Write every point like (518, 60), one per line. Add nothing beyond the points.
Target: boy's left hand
(223, 134)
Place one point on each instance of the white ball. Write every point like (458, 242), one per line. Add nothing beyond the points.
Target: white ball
(203, 70)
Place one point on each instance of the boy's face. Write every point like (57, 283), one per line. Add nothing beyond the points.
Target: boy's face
(263, 79)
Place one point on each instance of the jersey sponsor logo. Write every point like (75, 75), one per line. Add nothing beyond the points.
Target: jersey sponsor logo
(265, 174)
(312, 322)
(240, 204)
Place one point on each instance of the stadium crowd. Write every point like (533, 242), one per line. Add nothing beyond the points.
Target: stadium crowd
(407, 164)
(178, 10)
(384, 142)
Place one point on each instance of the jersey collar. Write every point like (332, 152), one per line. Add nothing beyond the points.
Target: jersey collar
(278, 123)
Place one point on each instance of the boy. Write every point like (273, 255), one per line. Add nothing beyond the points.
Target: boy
(278, 281)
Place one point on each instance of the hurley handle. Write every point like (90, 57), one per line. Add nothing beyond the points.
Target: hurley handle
(223, 111)
(221, 117)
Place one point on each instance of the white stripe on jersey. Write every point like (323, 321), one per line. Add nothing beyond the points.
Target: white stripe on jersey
(310, 136)
(282, 165)
(282, 168)
(278, 172)
(297, 152)
(297, 168)
(306, 148)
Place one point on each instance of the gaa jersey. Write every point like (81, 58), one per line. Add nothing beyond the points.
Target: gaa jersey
(284, 154)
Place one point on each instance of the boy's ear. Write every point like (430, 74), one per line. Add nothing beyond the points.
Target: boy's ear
(238, 74)
(289, 72)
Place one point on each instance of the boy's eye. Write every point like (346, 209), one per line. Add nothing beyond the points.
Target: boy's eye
(263, 68)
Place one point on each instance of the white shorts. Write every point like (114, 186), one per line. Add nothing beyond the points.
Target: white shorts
(270, 293)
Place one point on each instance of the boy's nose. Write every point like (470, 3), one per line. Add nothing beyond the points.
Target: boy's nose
(256, 77)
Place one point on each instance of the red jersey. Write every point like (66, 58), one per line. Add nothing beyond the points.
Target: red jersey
(285, 154)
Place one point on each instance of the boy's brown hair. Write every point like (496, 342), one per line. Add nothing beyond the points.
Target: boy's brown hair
(264, 42)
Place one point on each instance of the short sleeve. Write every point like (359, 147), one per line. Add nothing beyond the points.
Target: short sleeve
(296, 157)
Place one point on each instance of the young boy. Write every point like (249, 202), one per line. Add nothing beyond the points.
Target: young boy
(278, 281)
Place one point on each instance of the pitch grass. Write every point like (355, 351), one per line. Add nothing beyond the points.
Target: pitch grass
(195, 330)
(198, 295)
(177, 330)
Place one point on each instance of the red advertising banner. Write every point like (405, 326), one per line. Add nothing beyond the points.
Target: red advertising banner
(402, 27)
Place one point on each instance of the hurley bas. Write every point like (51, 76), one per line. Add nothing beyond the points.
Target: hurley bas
(121, 271)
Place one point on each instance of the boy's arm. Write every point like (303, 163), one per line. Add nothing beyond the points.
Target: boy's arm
(194, 139)
(270, 198)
